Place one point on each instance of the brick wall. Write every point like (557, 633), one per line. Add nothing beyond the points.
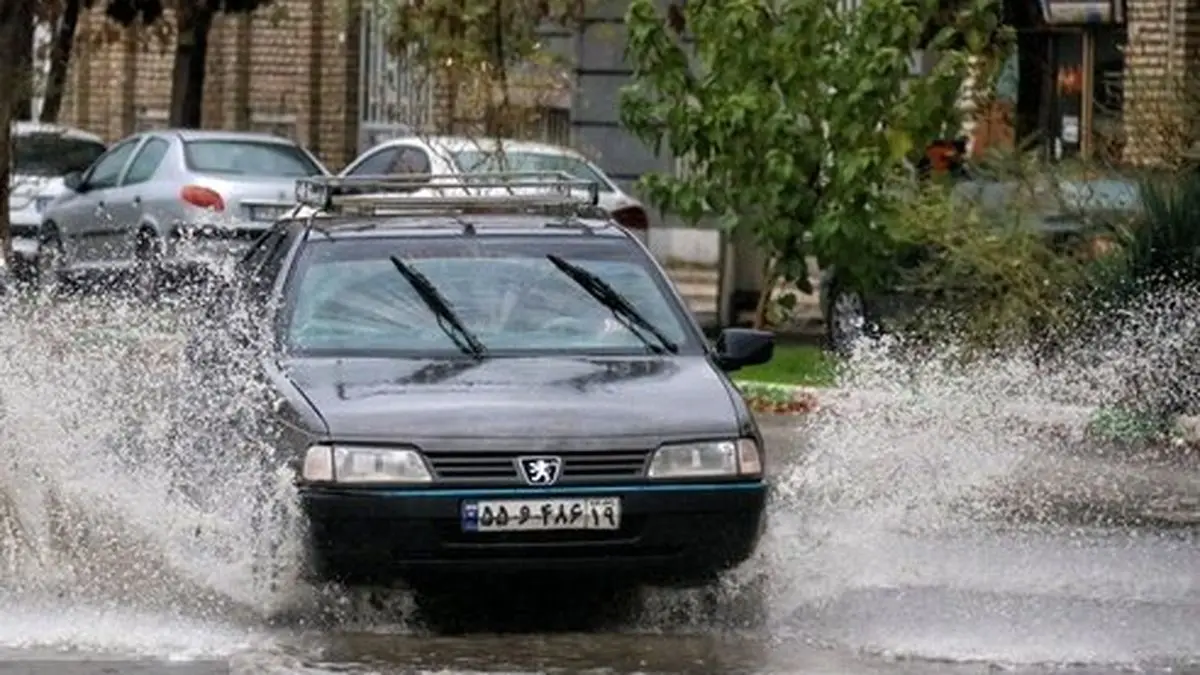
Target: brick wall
(1159, 97)
(290, 69)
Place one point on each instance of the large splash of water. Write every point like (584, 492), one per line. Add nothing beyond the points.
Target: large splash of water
(133, 492)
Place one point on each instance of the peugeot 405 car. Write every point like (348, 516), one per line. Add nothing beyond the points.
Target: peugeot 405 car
(487, 384)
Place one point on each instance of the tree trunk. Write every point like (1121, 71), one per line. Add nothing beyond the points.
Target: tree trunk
(191, 56)
(22, 56)
(766, 290)
(15, 16)
(60, 58)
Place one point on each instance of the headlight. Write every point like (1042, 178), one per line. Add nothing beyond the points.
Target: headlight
(711, 458)
(348, 464)
(41, 203)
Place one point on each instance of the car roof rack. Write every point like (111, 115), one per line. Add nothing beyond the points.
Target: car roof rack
(546, 192)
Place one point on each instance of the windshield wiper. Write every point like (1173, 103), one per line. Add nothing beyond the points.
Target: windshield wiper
(618, 304)
(447, 320)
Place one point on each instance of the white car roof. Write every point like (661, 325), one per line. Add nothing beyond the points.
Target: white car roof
(439, 144)
(27, 128)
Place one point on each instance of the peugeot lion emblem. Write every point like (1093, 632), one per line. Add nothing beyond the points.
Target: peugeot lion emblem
(540, 471)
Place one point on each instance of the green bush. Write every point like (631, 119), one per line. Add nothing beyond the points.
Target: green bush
(1159, 248)
(992, 279)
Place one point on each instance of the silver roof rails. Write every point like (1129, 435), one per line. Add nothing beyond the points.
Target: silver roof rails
(547, 192)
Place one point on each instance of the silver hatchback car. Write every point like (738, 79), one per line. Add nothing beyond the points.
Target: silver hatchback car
(168, 201)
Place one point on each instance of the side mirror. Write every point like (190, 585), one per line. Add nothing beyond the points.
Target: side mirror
(74, 181)
(741, 347)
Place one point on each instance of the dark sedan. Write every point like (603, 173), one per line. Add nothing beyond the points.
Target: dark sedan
(487, 385)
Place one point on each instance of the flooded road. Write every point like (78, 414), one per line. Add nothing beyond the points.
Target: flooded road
(885, 554)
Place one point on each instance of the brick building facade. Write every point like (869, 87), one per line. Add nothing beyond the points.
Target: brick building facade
(291, 69)
(305, 69)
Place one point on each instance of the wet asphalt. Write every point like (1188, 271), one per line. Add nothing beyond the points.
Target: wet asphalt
(1035, 599)
(852, 597)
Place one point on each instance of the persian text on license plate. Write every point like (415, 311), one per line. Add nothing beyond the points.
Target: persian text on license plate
(523, 515)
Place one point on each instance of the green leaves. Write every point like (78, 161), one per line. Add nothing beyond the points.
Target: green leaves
(795, 115)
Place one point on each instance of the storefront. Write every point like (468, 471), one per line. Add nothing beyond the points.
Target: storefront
(1060, 90)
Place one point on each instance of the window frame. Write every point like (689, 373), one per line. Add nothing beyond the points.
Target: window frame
(125, 175)
(89, 177)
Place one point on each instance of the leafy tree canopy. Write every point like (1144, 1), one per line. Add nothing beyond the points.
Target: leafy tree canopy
(796, 115)
(474, 33)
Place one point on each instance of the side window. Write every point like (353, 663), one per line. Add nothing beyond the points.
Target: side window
(262, 267)
(272, 265)
(146, 162)
(259, 251)
(107, 169)
(410, 160)
(377, 164)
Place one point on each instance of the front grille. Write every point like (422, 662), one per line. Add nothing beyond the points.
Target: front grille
(500, 468)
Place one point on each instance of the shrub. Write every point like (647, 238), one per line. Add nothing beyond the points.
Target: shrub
(1145, 296)
(991, 277)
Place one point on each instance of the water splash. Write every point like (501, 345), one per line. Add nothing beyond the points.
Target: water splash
(124, 480)
(139, 492)
(905, 492)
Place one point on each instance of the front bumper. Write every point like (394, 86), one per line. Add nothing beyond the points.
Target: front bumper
(668, 534)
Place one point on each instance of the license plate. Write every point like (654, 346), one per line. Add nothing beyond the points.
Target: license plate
(265, 213)
(525, 515)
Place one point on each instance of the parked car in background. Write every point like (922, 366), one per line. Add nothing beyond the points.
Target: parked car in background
(42, 155)
(169, 201)
(1069, 211)
(441, 155)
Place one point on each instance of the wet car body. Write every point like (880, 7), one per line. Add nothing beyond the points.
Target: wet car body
(524, 459)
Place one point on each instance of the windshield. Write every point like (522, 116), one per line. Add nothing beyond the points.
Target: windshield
(347, 298)
(478, 161)
(249, 158)
(51, 154)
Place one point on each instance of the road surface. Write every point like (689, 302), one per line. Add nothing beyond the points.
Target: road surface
(884, 554)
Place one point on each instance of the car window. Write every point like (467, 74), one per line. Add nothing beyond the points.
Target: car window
(146, 162)
(478, 161)
(259, 250)
(410, 160)
(376, 164)
(264, 276)
(249, 158)
(346, 297)
(107, 170)
(53, 154)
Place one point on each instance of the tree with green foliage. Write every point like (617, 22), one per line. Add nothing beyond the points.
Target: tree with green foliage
(481, 52)
(796, 116)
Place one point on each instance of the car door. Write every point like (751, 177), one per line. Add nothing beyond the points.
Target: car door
(127, 202)
(82, 216)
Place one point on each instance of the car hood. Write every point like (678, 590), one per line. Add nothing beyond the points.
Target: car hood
(386, 399)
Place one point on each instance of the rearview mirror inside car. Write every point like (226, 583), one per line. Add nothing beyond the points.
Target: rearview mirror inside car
(741, 347)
